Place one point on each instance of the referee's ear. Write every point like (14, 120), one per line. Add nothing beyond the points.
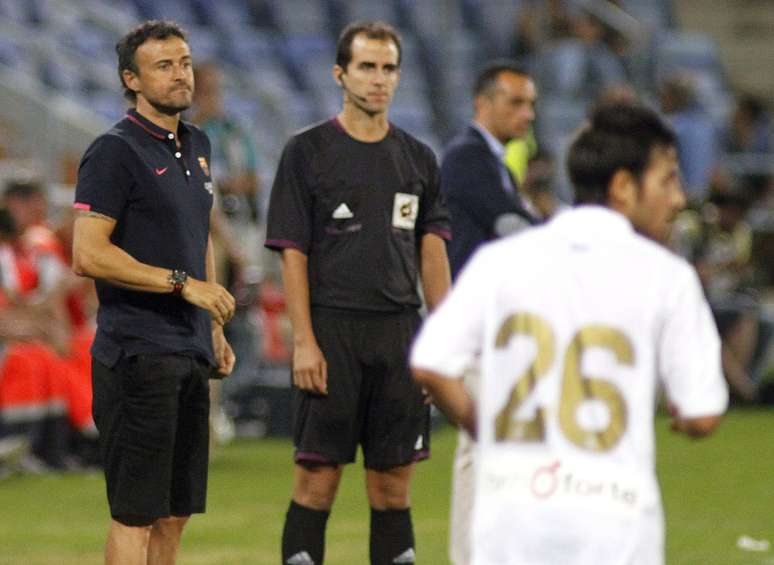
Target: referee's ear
(337, 74)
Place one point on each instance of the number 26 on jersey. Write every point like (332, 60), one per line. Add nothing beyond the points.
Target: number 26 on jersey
(576, 388)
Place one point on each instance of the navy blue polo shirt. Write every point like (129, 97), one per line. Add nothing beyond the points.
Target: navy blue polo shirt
(160, 197)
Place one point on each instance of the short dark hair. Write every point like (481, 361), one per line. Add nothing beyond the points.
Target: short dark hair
(372, 30)
(128, 44)
(23, 189)
(8, 227)
(617, 136)
(487, 77)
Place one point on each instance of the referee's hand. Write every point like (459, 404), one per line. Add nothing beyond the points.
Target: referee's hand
(212, 297)
(310, 371)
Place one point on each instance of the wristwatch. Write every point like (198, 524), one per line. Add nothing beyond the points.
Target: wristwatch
(177, 279)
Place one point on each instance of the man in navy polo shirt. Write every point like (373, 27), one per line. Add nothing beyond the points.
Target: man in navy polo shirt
(144, 193)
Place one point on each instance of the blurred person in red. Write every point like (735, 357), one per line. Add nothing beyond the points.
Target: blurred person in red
(44, 396)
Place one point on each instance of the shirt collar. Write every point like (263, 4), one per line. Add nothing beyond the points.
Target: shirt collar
(494, 144)
(588, 222)
(158, 132)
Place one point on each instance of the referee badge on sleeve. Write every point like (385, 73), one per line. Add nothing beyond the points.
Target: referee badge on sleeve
(405, 209)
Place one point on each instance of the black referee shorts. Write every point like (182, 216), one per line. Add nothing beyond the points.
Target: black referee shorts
(152, 414)
(372, 398)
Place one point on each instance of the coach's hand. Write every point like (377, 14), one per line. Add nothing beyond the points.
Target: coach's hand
(212, 297)
(224, 355)
(310, 371)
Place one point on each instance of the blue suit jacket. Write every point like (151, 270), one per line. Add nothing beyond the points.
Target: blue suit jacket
(472, 185)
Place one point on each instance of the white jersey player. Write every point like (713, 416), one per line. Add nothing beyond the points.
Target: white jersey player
(578, 323)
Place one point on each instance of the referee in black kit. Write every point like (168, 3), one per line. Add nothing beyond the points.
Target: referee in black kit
(144, 193)
(357, 213)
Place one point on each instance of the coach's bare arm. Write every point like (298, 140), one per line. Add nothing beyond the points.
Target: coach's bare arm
(435, 272)
(310, 371)
(451, 396)
(96, 257)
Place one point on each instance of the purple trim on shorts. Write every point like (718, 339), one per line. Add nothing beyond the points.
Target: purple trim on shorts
(440, 232)
(421, 455)
(279, 244)
(311, 457)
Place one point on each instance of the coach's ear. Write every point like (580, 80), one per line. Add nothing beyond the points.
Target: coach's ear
(622, 192)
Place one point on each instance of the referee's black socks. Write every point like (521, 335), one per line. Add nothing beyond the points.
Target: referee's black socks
(303, 539)
(392, 537)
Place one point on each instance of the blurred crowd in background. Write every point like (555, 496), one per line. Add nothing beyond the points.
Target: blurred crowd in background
(263, 70)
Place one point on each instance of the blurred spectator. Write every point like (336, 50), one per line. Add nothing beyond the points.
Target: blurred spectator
(572, 52)
(697, 137)
(44, 396)
(749, 130)
(718, 240)
(539, 186)
(236, 228)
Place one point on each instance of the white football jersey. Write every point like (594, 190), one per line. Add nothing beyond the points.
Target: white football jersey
(577, 323)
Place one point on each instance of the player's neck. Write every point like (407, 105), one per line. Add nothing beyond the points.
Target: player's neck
(363, 126)
(151, 114)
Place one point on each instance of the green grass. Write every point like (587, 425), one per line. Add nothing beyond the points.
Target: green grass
(714, 491)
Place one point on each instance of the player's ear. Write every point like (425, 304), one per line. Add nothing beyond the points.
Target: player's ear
(622, 192)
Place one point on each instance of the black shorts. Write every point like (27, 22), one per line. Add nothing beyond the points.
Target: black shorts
(372, 398)
(152, 414)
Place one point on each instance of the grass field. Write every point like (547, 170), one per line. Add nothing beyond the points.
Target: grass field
(714, 491)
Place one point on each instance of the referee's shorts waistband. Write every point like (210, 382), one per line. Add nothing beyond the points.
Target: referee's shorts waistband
(345, 313)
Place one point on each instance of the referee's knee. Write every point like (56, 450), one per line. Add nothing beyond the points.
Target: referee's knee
(315, 486)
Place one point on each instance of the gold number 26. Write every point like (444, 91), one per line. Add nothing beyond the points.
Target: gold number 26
(576, 387)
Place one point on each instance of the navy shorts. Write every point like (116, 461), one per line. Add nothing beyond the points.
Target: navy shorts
(372, 399)
(152, 413)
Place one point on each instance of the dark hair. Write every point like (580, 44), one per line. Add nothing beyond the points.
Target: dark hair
(8, 228)
(372, 30)
(487, 77)
(128, 44)
(617, 136)
(23, 188)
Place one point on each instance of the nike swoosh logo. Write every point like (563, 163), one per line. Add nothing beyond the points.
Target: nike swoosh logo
(161, 171)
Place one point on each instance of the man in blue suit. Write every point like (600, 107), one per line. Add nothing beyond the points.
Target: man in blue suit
(485, 203)
(482, 196)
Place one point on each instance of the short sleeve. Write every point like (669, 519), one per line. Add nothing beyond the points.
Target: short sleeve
(689, 351)
(289, 223)
(104, 180)
(452, 336)
(434, 214)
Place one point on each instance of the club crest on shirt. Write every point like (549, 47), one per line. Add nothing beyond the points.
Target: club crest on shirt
(405, 209)
(204, 166)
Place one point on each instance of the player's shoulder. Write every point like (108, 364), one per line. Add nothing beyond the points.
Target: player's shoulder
(659, 254)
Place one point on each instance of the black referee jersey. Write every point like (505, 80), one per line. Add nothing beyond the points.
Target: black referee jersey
(358, 210)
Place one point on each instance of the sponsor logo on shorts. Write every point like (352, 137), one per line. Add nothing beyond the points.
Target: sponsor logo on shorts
(407, 556)
(419, 443)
